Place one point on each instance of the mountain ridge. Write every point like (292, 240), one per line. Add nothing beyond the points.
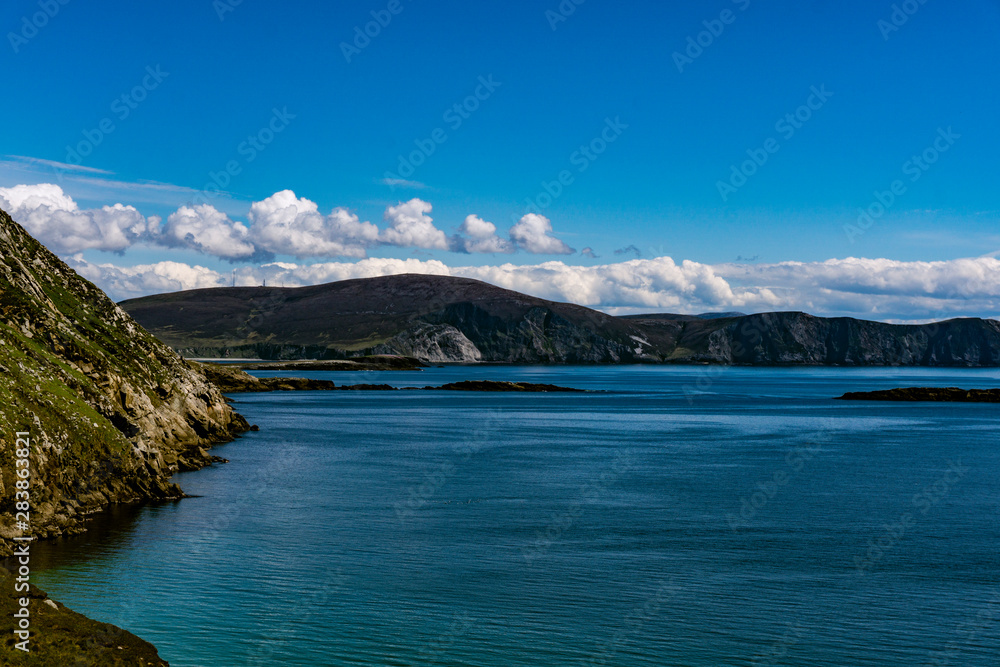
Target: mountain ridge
(450, 319)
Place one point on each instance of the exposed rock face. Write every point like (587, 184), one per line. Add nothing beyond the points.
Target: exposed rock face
(432, 343)
(110, 410)
(440, 318)
(797, 338)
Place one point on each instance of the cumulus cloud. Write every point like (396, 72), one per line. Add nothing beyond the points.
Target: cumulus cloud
(411, 226)
(533, 233)
(589, 252)
(286, 225)
(126, 282)
(205, 229)
(52, 217)
(869, 288)
(478, 235)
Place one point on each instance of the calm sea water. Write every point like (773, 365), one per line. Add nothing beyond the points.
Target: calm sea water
(679, 516)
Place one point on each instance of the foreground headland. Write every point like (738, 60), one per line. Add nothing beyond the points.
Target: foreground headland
(93, 411)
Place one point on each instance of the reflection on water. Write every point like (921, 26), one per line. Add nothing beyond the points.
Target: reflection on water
(109, 533)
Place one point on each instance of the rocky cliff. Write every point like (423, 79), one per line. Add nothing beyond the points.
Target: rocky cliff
(110, 410)
(446, 319)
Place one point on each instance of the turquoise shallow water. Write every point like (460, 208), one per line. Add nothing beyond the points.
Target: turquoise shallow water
(680, 516)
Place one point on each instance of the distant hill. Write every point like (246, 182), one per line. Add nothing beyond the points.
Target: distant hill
(447, 319)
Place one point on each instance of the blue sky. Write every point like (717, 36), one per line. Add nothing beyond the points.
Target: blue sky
(893, 89)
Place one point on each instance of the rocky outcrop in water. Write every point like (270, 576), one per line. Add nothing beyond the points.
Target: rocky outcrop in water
(111, 411)
(919, 394)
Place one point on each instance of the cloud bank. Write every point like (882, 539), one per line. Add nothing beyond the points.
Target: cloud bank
(286, 225)
(878, 289)
(282, 224)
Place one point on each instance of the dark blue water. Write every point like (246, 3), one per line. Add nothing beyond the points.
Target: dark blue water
(682, 516)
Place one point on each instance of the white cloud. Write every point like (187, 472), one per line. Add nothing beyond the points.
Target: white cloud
(127, 282)
(52, 217)
(533, 234)
(285, 225)
(480, 236)
(403, 183)
(410, 226)
(869, 288)
(205, 229)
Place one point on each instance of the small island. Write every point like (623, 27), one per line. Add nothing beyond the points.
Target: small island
(231, 379)
(936, 394)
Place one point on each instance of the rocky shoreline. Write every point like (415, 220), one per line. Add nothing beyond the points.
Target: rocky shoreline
(230, 378)
(107, 414)
(60, 636)
(929, 394)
